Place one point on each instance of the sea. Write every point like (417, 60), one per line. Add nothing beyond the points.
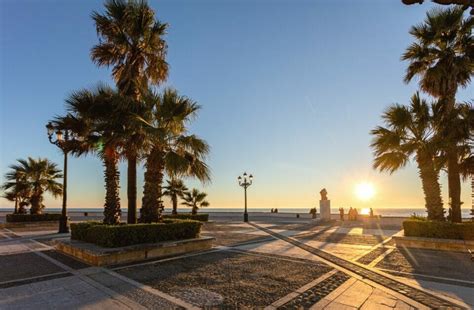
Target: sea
(393, 212)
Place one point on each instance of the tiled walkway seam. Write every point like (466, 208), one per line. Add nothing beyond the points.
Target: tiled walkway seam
(401, 288)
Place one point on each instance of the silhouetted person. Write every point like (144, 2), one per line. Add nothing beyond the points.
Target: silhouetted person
(313, 212)
(271, 211)
(355, 214)
(276, 210)
(371, 213)
(350, 214)
(341, 214)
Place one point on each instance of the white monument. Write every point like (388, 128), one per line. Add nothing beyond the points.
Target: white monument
(325, 205)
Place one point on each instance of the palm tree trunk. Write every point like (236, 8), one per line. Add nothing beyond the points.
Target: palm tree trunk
(151, 208)
(132, 189)
(431, 187)
(454, 178)
(112, 210)
(454, 185)
(35, 201)
(174, 199)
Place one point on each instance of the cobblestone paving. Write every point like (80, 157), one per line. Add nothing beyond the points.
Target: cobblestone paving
(231, 239)
(316, 293)
(243, 280)
(410, 292)
(144, 298)
(369, 257)
(229, 235)
(454, 265)
(342, 238)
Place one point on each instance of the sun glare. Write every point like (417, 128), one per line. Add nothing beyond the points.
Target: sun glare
(365, 191)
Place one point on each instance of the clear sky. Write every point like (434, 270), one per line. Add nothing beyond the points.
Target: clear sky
(289, 92)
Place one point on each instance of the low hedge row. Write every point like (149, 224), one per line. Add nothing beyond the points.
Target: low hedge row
(16, 218)
(442, 230)
(112, 236)
(202, 217)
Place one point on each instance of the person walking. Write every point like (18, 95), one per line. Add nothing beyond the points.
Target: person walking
(341, 214)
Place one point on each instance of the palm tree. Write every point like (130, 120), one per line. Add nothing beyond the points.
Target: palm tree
(96, 117)
(33, 177)
(442, 57)
(131, 41)
(408, 133)
(16, 189)
(171, 150)
(195, 199)
(175, 189)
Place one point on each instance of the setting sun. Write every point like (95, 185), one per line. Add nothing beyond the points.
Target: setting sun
(365, 191)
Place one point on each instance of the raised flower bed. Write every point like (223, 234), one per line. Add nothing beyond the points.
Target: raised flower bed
(112, 236)
(98, 244)
(445, 236)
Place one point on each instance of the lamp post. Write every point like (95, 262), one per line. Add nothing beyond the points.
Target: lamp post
(245, 182)
(62, 141)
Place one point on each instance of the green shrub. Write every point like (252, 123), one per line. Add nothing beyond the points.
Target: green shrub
(112, 236)
(78, 230)
(442, 230)
(202, 217)
(18, 218)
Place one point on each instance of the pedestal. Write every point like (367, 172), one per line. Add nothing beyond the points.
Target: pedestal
(325, 209)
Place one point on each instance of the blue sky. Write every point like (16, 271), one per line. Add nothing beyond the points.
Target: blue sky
(289, 92)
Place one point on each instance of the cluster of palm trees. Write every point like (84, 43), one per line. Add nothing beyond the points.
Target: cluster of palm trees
(28, 181)
(439, 135)
(176, 189)
(134, 122)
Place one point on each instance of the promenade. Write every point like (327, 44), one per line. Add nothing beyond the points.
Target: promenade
(274, 262)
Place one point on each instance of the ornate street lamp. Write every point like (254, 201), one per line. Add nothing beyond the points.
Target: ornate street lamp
(245, 182)
(63, 140)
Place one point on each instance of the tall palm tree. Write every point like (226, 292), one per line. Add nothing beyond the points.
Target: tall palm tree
(175, 189)
(408, 133)
(96, 117)
(34, 177)
(172, 151)
(131, 41)
(443, 58)
(16, 189)
(195, 199)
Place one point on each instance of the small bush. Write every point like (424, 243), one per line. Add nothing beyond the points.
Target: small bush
(441, 230)
(78, 230)
(18, 218)
(202, 217)
(112, 236)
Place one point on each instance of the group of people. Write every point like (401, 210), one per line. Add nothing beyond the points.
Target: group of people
(352, 214)
(274, 210)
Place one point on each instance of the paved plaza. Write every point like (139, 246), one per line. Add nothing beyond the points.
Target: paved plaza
(270, 263)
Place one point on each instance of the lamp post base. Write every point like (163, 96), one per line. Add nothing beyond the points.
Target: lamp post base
(246, 217)
(63, 225)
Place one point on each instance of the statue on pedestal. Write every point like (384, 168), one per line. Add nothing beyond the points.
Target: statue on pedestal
(325, 205)
(324, 194)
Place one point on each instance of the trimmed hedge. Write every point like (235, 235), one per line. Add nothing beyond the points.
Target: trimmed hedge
(18, 218)
(202, 217)
(112, 236)
(441, 230)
